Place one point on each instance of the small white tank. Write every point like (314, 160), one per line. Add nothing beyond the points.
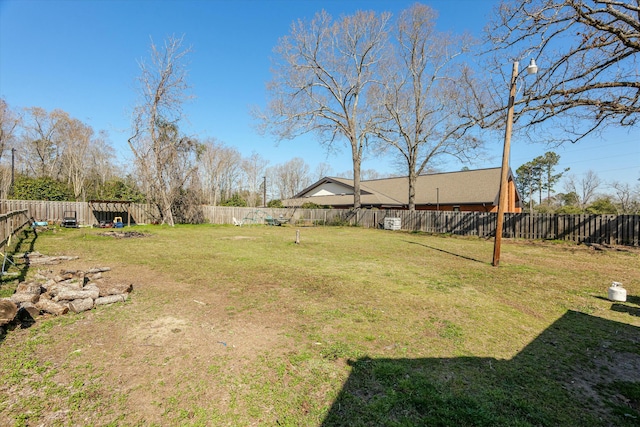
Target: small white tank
(617, 292)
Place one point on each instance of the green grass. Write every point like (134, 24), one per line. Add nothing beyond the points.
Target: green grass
(241, 326)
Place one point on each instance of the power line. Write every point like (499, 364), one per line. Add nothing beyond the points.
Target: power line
(584, 147)
(602, 158)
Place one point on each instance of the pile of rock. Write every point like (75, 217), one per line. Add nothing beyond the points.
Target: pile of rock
(69, 290)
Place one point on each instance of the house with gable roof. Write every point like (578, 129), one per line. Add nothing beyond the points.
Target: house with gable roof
(470, 191)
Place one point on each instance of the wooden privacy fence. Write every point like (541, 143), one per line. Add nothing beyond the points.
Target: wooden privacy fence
(609, 229)
(87, 213)
(248, 216)
(10, 223)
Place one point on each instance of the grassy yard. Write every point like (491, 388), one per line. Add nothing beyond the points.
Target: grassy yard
(240, 326)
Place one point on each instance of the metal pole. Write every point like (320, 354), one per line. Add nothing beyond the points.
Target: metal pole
(264, 184)
(437, 198)
(13, 165)
(505, 168)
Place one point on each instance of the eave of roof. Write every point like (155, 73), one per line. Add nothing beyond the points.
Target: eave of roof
(326, 180)
(444, 188)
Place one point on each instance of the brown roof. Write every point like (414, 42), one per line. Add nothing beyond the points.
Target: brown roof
(451, 188)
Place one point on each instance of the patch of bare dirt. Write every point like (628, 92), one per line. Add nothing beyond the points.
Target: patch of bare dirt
(123, 234)
(239, 238)
(168, 337)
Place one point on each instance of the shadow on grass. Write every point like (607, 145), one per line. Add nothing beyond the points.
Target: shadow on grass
(623, 308)
(630, 300)
(633, 299)
(25, 243)
(23, 320)
(447, 252)
(582, 370)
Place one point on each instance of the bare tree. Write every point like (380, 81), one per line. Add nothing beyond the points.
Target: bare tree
(101, 154)
(290, 177)
(230, 173)
(369, 174)
(320, 80)
(254, 169)
(322, 169)
(584, 188)
(588, 56)
(9, 123)
(78, 139)
(219, 169)
(628, 197)
(164, 156)
(423, 96)
(43, 142)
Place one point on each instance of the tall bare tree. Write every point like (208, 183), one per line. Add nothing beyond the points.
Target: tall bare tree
(76, 159)
(43, 140)
(322, 169)
(164, 156)
(290, 177)
(219, 169)
(101, 157)
(9, 123)
(321, 76)
(627, 197)
(370, 174)
(254, 169)
(587, 51)
(584, 187)
(422, 96)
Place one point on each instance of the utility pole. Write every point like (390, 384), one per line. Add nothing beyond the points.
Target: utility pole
(502, 200)
(13, 166)
(264, 189)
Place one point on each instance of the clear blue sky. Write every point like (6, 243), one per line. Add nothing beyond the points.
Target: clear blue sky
(81, 57)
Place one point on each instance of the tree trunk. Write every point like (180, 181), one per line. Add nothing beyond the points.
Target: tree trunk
(110, 299)
(29, 288)
(412, 188)
(168, 213)
(107, 288)
(80, 305)
(28, 311)
(8, 311)
(70, 294)
(98, 270)
(356, 152)
(25, 297)
(51, 307)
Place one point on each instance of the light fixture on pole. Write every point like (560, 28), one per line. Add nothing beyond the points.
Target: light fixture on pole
(502, 199)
